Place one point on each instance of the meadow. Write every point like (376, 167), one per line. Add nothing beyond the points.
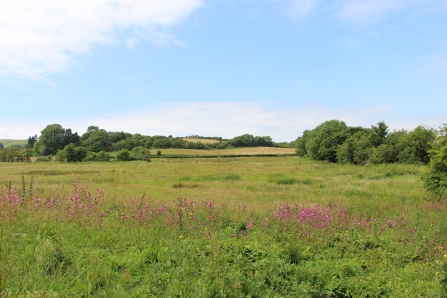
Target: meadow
(8, 143)
(219, 227)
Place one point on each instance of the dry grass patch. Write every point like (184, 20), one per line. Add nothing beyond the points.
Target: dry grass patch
(204, 141)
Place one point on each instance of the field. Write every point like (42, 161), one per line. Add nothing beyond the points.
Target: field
(219, 227)
(204, 141)
(229, 151)
(8, 142)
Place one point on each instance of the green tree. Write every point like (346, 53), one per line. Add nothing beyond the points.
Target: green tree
(1, 146)
(123, 155)
(435, 179)
(323, 142)
(71, 153)
(98, 140)
(357, 149)
(54, 137)
(38, 148)
(141, 153)
(379, 133)
(417, 145)
(31, 141)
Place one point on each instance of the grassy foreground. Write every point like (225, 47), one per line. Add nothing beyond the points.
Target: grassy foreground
(237, 227)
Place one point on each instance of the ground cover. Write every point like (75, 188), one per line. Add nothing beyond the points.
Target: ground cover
(258, 227)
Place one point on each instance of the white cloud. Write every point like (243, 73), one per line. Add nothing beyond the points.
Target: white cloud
(42, 37)
(229, 119)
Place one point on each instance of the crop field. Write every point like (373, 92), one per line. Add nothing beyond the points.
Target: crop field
(219, 227)
(205, 141)
(229, 151)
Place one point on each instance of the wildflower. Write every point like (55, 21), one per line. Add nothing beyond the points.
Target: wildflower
(266, 224)
(438, 274)
(180, 237)
(250, 225)
(445, 256)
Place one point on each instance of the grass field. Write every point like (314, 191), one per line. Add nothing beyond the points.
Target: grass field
(228, 151)
(8, 143)
(233, 227)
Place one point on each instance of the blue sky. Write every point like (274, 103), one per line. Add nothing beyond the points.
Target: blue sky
(222, 67)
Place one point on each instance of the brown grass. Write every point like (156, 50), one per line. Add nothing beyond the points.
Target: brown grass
(204, 141)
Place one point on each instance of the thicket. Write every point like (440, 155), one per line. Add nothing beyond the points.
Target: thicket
(334, 141)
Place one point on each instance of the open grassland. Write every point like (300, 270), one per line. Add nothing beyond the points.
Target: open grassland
(8, 143)
(228, 151)
(233, 227)
(204, 141)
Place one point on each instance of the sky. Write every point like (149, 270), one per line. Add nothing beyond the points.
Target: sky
(221, 67)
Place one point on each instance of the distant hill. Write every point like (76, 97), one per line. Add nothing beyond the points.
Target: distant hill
(8, 142)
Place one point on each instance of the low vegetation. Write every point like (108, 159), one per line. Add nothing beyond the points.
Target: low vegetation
(284, 227)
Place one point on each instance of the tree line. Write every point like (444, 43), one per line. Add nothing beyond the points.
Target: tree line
(334, 141)
(96, 144)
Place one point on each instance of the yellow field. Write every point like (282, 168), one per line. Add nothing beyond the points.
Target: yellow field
(231, 151)
(204, 141)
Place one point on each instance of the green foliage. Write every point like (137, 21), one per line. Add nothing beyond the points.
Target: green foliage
(435, 179)
(141, 153)
(356, 149)
(97, 140)
(1, 146)
(100, 156)
(123, 155)
(31, 141)
(419, 143)
(54, 138)
(71, 153)
(323, 141)
(248, 140)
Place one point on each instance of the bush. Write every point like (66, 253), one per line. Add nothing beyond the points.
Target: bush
(141, 153)
(123, 155)
(71, 153)
(100, 156)
(435, 179)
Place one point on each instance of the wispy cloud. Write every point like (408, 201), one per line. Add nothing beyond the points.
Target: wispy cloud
(43, 37)
(301, 8)
(229, 119)
(372, 11)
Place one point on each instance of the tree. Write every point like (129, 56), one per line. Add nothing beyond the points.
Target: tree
(322, 143)
(31, 141)
(1, 146)
(356, 149)
(417, 145)
(54, 137)
(379, 133)
(98, 140)
(123, 155)
(435, 179)
(141, 153)
(71, 153)
(38, 148)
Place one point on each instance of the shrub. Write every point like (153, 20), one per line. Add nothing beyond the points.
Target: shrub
(123, 155)
(141, 153)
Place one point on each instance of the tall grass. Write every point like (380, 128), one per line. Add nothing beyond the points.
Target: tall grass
(349, 232)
